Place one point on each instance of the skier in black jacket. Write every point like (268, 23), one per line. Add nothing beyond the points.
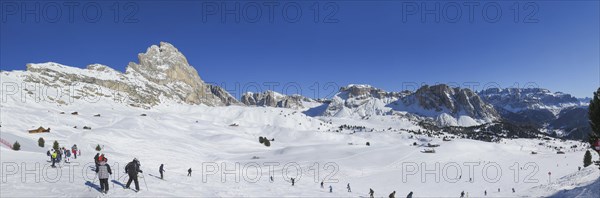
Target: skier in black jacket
(161, 170)
(132, 169)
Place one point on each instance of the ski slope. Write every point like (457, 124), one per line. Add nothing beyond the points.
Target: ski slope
(197, 137)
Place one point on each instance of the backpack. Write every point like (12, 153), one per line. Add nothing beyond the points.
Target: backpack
(127, 167)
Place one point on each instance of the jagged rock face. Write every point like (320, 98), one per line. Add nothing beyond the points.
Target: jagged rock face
(164, 64)
(362, 101)
(274, 99)
(162, 74)
(453, 106)
(516, 100)
(455, 101)
(365, 91)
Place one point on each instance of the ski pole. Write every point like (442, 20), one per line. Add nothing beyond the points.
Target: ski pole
(146, 184)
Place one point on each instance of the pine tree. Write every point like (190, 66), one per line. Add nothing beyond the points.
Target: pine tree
(41, 142)
(594, 116)
(261, 140)
(267, 142)
(587, 159)
(16, 146)
(55, 146)
(98, 148)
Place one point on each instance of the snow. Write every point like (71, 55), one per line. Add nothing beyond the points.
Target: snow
(183, 136)
(198, 136)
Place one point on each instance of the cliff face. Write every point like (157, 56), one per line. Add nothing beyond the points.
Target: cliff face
(274, 99)
(163, 73)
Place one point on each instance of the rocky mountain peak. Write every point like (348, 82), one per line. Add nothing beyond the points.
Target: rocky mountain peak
(273, 99)
(456, 101)
(165, 64)
(365, 91)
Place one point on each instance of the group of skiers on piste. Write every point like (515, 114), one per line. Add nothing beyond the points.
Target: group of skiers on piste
(103, 172)
(462, 194)
(371, 191)
(57, 156)
(132, 169)
(392, 195)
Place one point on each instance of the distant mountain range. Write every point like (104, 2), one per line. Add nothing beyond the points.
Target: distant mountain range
(164, 76)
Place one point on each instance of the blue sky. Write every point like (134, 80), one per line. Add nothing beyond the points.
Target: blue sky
(553, 44)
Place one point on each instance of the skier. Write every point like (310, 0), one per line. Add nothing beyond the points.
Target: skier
(330, 189)
(293, 181)
(485, 192)
(53, 156)
(371, 192)
(68, 156)
(462, 194)
(190, 172)
(393, 195)
(96, 158)
(271, 177)
(50, 155)
(409, 195)
(132, 169)
(498, 189)
(58, 156)
(322, 184)
(74, 150)
(348, 187)
(104, 172)
(161, 170)
(513, 189)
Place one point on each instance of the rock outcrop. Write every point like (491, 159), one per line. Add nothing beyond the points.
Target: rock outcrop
(273, 99)
(163, 73)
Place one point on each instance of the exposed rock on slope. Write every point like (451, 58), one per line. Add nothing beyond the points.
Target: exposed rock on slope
(274, 99)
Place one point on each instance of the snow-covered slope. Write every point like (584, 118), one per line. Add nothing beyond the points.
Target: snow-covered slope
(183, 136)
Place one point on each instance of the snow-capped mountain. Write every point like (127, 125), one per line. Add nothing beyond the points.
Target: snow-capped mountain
(274, 99)
(361, 101)
(448, 106)
(558, 113)
(516, 100)
(162, 74)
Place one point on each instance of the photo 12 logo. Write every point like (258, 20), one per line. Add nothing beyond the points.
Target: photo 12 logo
(452, 172)
(269, 11)
(69, 11)
(469, 11)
